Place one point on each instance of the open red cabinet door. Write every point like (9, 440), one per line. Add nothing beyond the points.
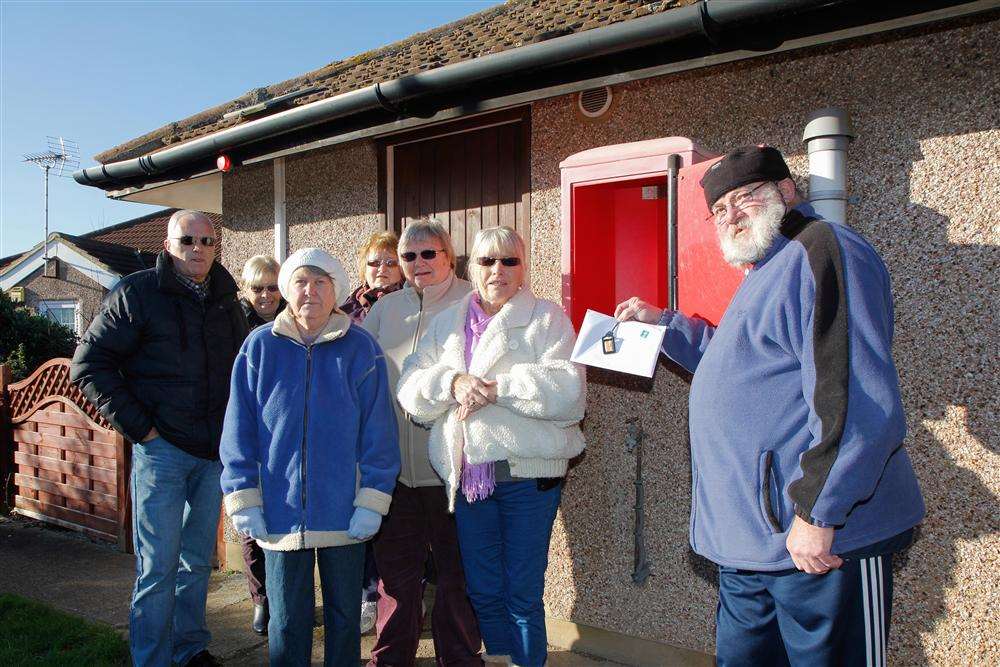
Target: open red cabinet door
(705, 282)
(616, 236)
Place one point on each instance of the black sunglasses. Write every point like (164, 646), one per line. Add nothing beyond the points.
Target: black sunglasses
(424, 254)
(490, 261)
(257, 289)
(375, 263)
(207, 241)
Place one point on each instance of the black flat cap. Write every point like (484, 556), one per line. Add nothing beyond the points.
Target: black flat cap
(749, 164)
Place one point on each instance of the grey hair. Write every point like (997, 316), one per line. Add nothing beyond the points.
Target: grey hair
(175, 219)
(427, 229)
(495, 242)
(317, 272)
(314, 271)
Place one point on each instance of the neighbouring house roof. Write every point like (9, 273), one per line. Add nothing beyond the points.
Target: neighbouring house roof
(120, 259)
(65, 249)
(510, 25)
(145, 233)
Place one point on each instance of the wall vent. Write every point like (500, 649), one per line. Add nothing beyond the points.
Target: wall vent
(595, 102)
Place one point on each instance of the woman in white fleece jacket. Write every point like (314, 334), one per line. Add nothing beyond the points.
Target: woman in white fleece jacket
(493, 376)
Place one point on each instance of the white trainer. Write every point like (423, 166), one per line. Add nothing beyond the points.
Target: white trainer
(369, 612)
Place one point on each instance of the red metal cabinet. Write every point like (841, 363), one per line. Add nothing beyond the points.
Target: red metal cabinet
(705, 282)
(615, 231)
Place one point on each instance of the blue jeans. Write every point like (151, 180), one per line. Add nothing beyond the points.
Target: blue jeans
(291, 599)
(175, 513)
(505, 549)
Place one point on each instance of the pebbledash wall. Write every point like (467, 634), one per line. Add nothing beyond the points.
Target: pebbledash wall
(924, 170)
(69, 285)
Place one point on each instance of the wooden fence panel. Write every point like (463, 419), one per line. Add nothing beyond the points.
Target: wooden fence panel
(7, 446)
(71, 468)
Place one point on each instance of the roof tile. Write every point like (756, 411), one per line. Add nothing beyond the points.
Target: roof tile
(145, 234)
(512, 24)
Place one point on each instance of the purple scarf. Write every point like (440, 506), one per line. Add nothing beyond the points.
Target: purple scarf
(478, 480)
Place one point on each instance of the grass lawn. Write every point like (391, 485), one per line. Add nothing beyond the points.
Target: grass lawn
(32, 633)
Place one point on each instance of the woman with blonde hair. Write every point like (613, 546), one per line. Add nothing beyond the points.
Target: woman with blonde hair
(378, 269)
(418, 523)
(493, 376)
(259, 295)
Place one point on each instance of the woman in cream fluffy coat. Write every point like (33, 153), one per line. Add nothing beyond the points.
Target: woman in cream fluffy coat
(493, 376)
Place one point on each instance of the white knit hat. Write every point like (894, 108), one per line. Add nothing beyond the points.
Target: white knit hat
(321, 259)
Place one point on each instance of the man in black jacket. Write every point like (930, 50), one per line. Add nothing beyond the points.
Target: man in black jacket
(157, 361)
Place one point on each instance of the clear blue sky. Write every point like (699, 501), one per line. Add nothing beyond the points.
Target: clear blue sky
(102, 73)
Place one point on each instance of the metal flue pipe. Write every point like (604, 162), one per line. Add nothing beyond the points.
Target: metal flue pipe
(827, 135)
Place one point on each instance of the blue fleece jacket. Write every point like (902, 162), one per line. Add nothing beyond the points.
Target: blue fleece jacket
(795, 405)
(309, 432)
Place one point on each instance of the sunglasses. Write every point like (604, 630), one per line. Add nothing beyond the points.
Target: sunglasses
(424, 254)
(388, 263)
(490, 261)
(207, 241)
(258, 289)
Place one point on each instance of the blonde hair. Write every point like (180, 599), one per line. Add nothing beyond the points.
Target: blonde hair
(494, 242)
(377, 241)
(257, 266)
(427, 229)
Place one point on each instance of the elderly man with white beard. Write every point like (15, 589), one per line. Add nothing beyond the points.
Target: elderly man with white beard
(801, 489)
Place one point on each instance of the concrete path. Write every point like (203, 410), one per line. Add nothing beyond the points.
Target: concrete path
(93, 580)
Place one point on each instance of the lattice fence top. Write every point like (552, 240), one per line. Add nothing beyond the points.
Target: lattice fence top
(50, 379)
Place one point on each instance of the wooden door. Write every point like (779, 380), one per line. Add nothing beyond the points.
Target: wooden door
(475, 177)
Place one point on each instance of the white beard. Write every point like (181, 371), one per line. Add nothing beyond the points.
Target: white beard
(762, 229)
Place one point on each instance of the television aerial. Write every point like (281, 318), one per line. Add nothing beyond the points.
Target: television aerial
(62, 157)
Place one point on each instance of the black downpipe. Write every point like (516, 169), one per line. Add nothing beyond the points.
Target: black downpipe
(673, 166)
(385, 102)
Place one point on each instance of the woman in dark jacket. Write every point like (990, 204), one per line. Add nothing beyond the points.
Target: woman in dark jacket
(261, 303)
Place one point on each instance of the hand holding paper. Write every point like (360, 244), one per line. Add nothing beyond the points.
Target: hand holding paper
(636, 344)
(637, 309)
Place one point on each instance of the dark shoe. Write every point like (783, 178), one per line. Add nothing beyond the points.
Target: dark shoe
(260, 619)
(203, 659)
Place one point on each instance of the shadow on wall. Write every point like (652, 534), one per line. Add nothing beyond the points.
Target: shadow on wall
(945, 350)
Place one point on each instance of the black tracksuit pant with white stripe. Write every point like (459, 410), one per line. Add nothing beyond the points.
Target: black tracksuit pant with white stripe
(793, 618)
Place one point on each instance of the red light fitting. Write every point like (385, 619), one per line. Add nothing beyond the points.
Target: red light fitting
(224, 163)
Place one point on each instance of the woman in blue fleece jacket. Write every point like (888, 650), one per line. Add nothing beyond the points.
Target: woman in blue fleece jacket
(310, 457)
